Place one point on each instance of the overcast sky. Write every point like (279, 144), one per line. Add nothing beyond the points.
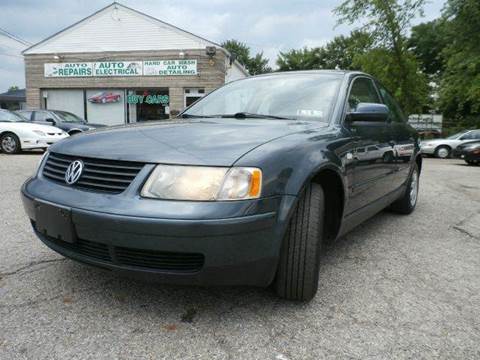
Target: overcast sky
(269, 25)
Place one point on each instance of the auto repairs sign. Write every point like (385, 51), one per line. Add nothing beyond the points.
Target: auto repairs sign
(181, 67)
(170, 67)
(68, 69)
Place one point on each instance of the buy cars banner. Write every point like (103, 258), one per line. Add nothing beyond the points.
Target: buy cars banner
(122, 68)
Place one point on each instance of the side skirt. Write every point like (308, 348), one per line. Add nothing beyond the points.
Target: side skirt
(359, 216)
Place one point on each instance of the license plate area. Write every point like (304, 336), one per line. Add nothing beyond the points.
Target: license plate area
(55, 221)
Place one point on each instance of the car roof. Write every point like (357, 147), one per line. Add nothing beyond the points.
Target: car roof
(313, 72)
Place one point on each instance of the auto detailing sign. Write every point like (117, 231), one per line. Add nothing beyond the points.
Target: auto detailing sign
(122, 68)
(169, 67)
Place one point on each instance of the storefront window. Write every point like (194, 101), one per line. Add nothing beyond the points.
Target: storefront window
(148, 104)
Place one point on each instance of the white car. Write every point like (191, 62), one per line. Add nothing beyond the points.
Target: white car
(443, 148)
(17, 134)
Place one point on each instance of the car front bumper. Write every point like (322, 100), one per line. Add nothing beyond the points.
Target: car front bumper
(241, 247)
(41, 143)
(428, 149)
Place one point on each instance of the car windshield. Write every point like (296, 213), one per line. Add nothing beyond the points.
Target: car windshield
(9, 116)
(69, 117)
(457, 135)
(287, 96)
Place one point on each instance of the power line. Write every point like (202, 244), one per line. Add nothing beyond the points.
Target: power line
(13, 37)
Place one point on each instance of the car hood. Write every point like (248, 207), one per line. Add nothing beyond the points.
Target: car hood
(80, 126)
(194, 141)
(31, 126)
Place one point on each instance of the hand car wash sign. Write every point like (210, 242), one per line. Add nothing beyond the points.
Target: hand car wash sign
(182, 67)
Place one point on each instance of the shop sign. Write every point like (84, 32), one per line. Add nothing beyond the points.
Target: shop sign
(170, 67)
(68, 69)
(181, 67)
(148, 99)
(117, 68)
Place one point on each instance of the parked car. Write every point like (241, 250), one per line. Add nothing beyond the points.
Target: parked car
(443, 148)
(470, 152)
(68, 122)
(17, 134)
(104, 97)
(246, 190)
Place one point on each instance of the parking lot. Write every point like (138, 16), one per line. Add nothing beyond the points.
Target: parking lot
(396, 287)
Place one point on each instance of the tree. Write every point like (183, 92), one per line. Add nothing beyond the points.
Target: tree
(336, 54)
(427, 41)
(460, 82)
(302, 59)
(255, 65)
(387, 22)
(13, 88)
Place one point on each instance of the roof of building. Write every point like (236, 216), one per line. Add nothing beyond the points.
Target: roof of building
(13, 95)
(117, 27)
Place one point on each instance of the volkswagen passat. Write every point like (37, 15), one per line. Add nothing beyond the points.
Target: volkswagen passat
(245, 188)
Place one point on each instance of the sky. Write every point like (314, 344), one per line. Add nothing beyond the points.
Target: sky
(268, 25)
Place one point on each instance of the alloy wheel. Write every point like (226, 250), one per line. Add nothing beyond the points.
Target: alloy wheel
(9, 145)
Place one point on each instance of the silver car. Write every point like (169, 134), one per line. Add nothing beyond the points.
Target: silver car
(443, 148)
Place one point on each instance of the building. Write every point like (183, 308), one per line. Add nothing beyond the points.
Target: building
(13, 99)
(122, 66)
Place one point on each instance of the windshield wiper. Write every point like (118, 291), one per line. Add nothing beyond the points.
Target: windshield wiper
(244, 115)
(187, 116)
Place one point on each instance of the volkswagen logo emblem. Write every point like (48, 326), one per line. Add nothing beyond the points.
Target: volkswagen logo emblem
(74, 171)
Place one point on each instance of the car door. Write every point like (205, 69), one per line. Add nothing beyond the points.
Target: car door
(470, 136)
(404, 138)
(40, 117)
(373, 156)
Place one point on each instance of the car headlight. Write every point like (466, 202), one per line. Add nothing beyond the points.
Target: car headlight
(38, 132)
(200, 183)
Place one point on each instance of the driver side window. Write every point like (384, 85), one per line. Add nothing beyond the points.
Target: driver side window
(362, 91)
(42, 116)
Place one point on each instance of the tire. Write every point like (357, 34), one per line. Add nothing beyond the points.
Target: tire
(407, 203)
(74, 132)
(10, 143)
(298, 268)
(470, 162)
(443, 152)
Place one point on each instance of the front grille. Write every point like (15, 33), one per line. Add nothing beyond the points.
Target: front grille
(159, 259)
(148, 259)
(112, 176)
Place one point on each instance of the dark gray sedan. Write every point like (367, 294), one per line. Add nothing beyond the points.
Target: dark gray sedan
(245, 188)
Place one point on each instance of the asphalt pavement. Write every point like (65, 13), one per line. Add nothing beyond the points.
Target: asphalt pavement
(399, 287)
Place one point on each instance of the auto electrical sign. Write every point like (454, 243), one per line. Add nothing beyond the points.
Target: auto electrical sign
(122, 68)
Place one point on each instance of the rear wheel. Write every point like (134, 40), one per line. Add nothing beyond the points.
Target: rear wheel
(10, 143)
(297, 274)
(443, 152)
(406, 204)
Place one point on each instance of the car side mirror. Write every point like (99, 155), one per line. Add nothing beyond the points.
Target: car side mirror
(50, 120)
(369, 112)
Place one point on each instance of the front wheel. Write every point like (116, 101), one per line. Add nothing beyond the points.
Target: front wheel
(442, 152)
(298, 268)
(407, 203)
(10, 143)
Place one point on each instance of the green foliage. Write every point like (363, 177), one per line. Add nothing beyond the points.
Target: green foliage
(427, 41)
(13, 88)
(255, 65)
(337, 54)
(460, 83)
(303, 59)
(387, 22)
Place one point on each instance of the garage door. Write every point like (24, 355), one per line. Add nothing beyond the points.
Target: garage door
(106, 106)
(66, 100)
